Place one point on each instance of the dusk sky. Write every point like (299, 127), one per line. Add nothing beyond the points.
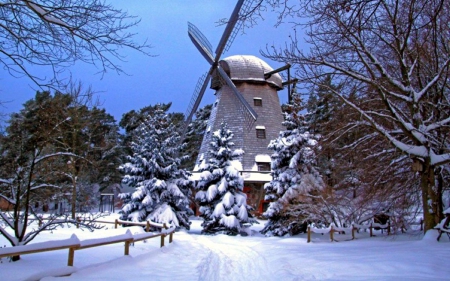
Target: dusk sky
(173, 73)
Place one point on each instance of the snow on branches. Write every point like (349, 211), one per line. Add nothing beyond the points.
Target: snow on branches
(294, 176)
(223, 204)
(161, 188)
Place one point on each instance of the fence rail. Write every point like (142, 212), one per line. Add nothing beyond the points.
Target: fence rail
(354, 228)
(74, 244)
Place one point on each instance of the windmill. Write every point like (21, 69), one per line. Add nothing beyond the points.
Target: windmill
(246, 99)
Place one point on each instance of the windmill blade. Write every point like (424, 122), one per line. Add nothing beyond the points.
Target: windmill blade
(229, 29)
(244, 10)
(200, 42)
(230, 84)
(199, 91)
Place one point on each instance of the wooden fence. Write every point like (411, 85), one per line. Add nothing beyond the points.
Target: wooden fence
(74, 244)
(354, 228)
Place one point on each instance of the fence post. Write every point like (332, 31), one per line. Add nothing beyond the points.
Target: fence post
(171, 237)
(309, 234)
(371, 234)
(78, 222)
(116, 222)
(331, 233)
(389, 227)
(147, 227)
(71, 256)
(162, 240)
(127, 247)
(353, 232)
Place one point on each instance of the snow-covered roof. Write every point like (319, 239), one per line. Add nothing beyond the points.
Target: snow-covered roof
(250, 68)
(260, 158)
(256, 177)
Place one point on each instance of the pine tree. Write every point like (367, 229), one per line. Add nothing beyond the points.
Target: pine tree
(161, 187)
(194, 136)
(294, 175)
(223, 204)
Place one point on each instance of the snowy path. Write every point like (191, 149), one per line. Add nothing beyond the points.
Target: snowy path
(228, 261)
(203, 258)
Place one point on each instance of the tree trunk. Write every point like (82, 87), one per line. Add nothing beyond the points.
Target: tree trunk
(74, 197)
(429, 197)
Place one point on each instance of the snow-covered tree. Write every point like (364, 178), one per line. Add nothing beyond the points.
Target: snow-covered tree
(194, 135)
(223, 204)
(162, 188)
(392, 52)
(294, 174)
(30, 163)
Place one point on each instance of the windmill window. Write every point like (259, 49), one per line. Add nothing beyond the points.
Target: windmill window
(263, 166)
(257, 101)
(260, 132)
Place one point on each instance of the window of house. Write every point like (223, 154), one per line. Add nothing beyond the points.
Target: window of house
(263, 166)
(260, 132)
(257, 102)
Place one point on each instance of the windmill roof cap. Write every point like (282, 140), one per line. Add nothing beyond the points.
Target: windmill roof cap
(251, 68)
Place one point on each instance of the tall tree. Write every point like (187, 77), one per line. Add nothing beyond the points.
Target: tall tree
(393, 51)
(25, 150)
(194, 135)
(92, 134)
(162, 189)
(56, 34)
(223, 204)
(294, 174)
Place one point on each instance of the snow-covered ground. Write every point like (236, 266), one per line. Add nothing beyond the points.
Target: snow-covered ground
(192, 256)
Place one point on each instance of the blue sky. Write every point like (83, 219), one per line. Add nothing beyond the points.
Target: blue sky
(173, 73)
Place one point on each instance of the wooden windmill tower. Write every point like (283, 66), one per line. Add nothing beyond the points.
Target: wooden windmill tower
(246, 99)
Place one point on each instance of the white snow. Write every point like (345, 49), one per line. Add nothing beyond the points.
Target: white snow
(192, 256)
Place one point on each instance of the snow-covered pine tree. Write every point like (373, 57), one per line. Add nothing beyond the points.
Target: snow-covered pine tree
(294, 174)
(223, 204)
(162, 188)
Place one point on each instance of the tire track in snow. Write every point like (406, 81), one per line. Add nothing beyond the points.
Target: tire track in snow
(226, 261)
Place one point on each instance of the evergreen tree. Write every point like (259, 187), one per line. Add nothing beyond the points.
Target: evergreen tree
(194, 136)
(162, 188)
(223, 204)
(294, 174)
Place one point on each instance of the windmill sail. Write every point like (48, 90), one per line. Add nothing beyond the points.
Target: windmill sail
(200, 42)
(200, 89)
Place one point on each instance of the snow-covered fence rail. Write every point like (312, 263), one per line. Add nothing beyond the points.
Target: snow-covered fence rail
(354, 228)
(331, 230)
(74, 244)
(147, 225)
